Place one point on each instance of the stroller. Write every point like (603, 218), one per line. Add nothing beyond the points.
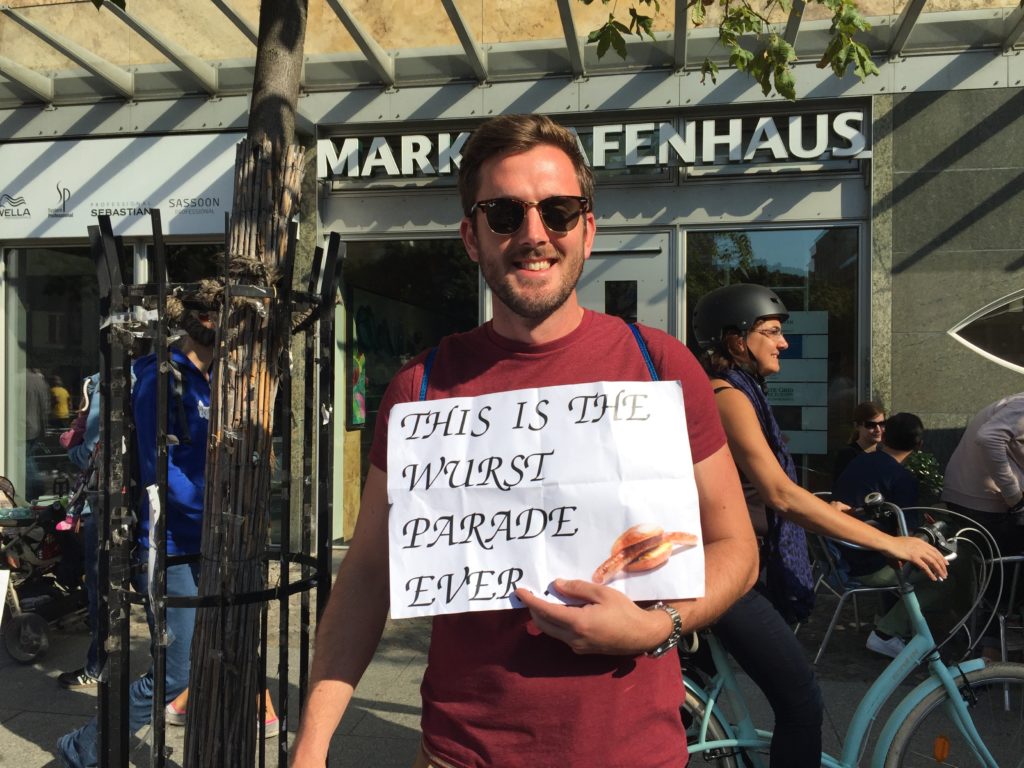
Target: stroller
(41, 550)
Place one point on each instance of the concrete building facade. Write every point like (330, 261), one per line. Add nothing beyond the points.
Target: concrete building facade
(886, 213)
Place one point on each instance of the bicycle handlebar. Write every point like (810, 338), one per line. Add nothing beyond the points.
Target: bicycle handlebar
(878, 509)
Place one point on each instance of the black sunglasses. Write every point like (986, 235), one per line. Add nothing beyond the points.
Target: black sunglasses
(505, 215)
(872, 424)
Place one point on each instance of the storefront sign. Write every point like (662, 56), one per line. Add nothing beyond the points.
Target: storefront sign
(58, 188)
(714, 141)
(516, 489)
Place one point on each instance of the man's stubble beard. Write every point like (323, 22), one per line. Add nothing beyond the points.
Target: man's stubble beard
(534, 307)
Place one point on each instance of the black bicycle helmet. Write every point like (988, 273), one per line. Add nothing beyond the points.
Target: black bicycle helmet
(733, 308)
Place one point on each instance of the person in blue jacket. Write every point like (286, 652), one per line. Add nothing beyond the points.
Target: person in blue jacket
(188, 413)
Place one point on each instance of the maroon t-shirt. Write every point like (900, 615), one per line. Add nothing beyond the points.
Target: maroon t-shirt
(497, 692)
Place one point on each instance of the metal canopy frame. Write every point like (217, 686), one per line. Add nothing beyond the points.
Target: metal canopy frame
(238, 20)
(202, 73)
(905, 25)
(39, 85)
(476, 55)
(116, 78)
(368, 70)
(682, 20)
(1014, 28)
(573, 42)
(796, 14)
(378, 58)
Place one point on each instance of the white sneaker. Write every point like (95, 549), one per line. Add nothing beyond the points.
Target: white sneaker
(173, 715)
(890, 647)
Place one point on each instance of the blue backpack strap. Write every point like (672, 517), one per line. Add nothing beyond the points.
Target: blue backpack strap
(644, 351)
(427, 365)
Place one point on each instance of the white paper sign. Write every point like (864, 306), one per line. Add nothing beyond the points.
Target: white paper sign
(515, 489)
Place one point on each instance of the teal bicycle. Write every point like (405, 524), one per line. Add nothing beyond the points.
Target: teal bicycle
(969, 713)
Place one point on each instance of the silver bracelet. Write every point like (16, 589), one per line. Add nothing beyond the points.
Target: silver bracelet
(674, 636)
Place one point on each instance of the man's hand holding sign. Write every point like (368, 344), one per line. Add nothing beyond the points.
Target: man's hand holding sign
(498, 499)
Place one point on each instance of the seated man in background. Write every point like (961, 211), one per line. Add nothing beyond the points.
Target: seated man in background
(882, 470)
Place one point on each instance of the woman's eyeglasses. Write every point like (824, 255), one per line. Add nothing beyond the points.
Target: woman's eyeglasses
(873, 424)
(505, 215)
(771, 333)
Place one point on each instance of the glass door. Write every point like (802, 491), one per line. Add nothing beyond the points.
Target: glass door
(815, 272)
(629, 275)
(51, 342)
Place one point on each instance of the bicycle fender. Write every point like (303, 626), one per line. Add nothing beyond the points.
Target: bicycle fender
(911, 700)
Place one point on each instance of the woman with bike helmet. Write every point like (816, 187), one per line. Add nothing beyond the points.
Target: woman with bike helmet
(739, 331)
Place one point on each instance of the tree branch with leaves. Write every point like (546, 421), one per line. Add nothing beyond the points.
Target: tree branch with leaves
(770, 59)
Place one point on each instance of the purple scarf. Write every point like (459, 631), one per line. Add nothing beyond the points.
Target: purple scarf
(790, 583)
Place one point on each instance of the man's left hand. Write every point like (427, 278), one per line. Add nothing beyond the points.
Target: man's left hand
(607, 622)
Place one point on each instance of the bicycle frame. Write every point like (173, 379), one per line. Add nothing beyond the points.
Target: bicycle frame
(743, 734)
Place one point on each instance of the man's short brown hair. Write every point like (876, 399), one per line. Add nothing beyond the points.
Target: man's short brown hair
(512, 135)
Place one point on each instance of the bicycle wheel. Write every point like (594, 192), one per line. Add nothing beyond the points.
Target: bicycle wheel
(692, 713)
(995, 697)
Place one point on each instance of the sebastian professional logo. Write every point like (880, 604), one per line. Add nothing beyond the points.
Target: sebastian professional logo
(13, 207)
(63, 195)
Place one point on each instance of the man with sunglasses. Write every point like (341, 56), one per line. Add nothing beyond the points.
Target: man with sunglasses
(868, 428)
(577, 687)
(882, 470)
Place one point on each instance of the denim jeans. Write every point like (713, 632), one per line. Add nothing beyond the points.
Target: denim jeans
(90, 563)
(78, 748)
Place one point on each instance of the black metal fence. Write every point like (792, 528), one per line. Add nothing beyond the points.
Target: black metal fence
(132, 316)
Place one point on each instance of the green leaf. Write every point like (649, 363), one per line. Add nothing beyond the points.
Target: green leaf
(708, 68)
(741, 59)
(618, 43)
(769, 60)
(785, 83)
(641, 24)
(699, 15)
(865, 64)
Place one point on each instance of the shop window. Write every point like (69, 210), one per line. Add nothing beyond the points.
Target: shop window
(620, 297)
(995, 331)
(51, 333)
(814, 272)
(402, 296)
(191, 262)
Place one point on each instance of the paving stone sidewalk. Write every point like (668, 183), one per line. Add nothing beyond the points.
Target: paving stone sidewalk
(382, 726)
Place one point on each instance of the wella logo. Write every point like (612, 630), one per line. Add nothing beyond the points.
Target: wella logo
(13, 207)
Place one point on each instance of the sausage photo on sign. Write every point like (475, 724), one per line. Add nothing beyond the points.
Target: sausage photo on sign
(641, 548)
